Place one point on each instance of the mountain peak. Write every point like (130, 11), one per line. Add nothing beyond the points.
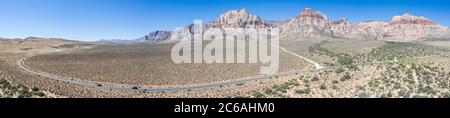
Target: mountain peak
(238, 18)
(308, 12)
(341, 21)
(243, 10)
(407, 18)
(308, 23)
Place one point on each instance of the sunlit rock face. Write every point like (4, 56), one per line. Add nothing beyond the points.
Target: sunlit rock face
(343, 28)
(158, 36)
(408, 27)
(308, 23)
(238, 19)
(314, 24)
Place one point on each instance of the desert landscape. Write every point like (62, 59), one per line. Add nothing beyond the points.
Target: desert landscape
(407, 57)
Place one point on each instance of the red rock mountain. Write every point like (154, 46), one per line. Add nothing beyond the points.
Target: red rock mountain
(314, 24)
(308, 23)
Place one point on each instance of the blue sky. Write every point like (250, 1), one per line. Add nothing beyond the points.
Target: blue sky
(90, 20)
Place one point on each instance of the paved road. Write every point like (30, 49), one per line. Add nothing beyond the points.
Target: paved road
(316, 65)
(107, 87)
(25, 68)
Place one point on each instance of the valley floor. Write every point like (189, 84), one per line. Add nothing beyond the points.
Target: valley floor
(357, 68)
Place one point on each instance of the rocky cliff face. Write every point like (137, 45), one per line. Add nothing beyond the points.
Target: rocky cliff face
(281, 24)
(372, 29)
(314, 24)
(408, 27)
(238, 19)
(230, 19)
(158, 36)
(308, 23)
(343, 28)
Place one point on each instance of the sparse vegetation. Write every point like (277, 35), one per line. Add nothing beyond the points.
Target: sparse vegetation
(257, 95)
(8, 89)
(346, 77)
(315, 79)
(339, 70)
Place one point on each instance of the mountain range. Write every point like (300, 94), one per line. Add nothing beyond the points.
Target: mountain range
(310, 24)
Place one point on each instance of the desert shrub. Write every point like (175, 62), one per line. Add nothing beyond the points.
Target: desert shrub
(283, 87)
(305, 81)
(307, 90)
(426, 89)
(443, 84)
(401, 93)
(257, 94)
(41, 94)
(268, 91)
(363, 95)
(323, 87)
(24, 95)
(35, 89)
(3, 81)
(335, 82)
(353, 67)
(345, 59)
(397, 86)
(339, 70)
(446, 95)
(389, 95)
(346, 77)
(300, 91)
(334, 87)
(315, 79)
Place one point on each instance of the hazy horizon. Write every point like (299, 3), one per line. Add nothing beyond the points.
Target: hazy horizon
(89, 20)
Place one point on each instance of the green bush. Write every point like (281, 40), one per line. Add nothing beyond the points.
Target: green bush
(353, 67)
(257, 95)
(315, 79)
(268, 91)
(41, 94)
(300, 91)
(283, 87)
(339, 70)
(401, 93)
(306, 81)
(35, 89)
(3, 81)
(323, 87)
(24, 95)
(334, 81)
(345, 59)
(307, 90)
(346, 77)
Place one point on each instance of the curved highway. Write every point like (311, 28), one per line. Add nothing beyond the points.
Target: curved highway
(21, 64)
